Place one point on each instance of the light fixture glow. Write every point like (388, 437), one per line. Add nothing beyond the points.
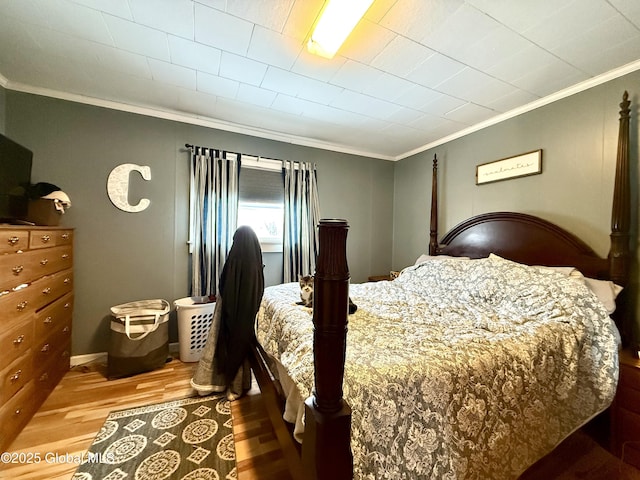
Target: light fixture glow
(336, 22)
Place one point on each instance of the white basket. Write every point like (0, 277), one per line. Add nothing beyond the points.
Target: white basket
(194, 323)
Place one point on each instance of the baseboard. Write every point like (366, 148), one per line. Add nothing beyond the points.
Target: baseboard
(88, 358)
(101, 357)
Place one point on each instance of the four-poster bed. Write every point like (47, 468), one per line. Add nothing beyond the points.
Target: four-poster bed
(481, 387)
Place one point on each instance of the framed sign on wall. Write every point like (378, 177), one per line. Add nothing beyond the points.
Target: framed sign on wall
(529, 163)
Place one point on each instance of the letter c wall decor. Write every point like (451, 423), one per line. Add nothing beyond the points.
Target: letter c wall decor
(118, 187)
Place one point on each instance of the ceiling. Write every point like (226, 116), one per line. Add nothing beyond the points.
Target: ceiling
(412, 74)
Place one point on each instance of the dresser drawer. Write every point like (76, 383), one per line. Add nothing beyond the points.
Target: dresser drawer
(629, 399)
(64, 237)
(631, 453)
(50, 238)
(50, 347)
(17, 305)
(15, 376)
(23, 302)
(13, 240)
(47, 378)
(16, 269)
(16, 341)
(15, 414)
(52, 316)
(52, 260)
(48, 289)
(52, 287)
(24, 267)
(629, 377)
(629, 426)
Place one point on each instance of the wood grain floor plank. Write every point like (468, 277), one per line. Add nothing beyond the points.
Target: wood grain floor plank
(66, 424)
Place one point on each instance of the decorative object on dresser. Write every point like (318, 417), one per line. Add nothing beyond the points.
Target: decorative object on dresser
(36, 304)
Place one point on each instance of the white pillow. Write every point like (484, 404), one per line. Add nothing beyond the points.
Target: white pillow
(606, 291)
(425, 258)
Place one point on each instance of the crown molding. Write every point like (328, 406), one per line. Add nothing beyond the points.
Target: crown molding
(567, 92)
(193, 120)
(307, 142)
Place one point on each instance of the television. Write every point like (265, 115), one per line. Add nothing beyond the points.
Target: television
(15, 179)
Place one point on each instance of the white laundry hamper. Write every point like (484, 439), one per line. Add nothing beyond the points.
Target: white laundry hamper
(195, 315)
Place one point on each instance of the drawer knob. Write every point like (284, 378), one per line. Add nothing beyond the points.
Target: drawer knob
(45, 238)
(18, 340)
(45, 349)
(17, 411)
(44, 261)
(13, 240)
(48, 321)
(17, 269)
(67, 305)
(66, 281)
(46, 291)
(15, 377)
(44, 377)
(22, 305)
(65, 256)
(65, 330)
(65, 236)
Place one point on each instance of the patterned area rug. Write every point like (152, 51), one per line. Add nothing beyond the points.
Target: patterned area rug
(188, 439)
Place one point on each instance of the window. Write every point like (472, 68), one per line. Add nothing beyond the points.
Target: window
(261, 203)
(266, 220)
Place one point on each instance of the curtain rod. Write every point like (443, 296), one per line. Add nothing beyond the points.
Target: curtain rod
(256, 158)
(268, 163)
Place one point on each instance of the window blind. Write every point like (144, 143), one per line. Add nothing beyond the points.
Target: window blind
(261, 186)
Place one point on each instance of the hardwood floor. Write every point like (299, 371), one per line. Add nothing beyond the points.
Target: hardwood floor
(68, 421)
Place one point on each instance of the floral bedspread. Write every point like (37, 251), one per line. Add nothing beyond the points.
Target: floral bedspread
(458, 369)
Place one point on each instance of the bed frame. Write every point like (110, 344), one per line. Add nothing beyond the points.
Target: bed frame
(325, 452)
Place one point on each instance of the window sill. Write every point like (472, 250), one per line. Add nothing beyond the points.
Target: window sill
(271, 247)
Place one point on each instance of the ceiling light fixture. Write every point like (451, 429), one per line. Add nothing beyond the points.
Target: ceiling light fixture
(337, 20)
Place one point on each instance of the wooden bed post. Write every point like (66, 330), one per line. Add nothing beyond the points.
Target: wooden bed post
(621, 214)
(433, 227)
(619, 252)
(326, 447)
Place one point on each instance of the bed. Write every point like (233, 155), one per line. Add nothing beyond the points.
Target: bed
(474, 363)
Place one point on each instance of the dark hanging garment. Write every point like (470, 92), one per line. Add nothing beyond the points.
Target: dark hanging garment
(224, 362)
(241, 288)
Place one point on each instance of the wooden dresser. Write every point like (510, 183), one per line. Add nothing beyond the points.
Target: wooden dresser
(36, 304)
(626, 411)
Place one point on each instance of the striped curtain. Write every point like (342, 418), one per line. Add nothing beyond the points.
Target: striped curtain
(213, 214)
(301, 218)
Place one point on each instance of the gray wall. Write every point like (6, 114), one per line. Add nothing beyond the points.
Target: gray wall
(3, 100)
(578, 136)
(123, 256)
